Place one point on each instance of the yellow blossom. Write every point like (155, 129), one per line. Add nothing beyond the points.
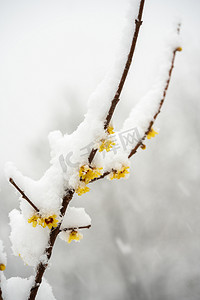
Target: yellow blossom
(34, 220)
(151, 133)
(50, 221)
(74, 235)
(87, 173)
(2, 267)
(117, 174)
(110, 129)
(82, 189)
(106, 145)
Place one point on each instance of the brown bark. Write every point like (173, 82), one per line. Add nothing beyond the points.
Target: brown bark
(48, 251)
(23, 194)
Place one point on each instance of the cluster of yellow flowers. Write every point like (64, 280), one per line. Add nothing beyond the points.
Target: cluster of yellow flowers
(74, 235)
(110, 129)
(2, 267)
(106, 144)
(37, 219)
(82, 189)
(151, 133)
(86, 174)
(117, 174)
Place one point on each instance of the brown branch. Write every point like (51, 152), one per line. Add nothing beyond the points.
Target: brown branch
(48, 251)
(23, 194)
(75, 228)
(138, 23)
(100, 177)
(134, 150)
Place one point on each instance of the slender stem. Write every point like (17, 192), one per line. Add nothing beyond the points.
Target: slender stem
(23, 194)
(134, 150)
(48, 251)
(138, 23)
(101, 177)
(75, 228)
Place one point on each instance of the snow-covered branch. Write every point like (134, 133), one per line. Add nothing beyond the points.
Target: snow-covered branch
(115, 100)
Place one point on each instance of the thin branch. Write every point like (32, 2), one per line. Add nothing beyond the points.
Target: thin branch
(134, 150)
(138, 23)
(48, 251)
(23, 194)
(100, 177)
(75, 228)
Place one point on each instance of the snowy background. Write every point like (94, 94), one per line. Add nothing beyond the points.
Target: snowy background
(145, 237)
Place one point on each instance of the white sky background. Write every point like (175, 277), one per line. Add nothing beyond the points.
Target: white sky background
(51, 49)
(52, 56)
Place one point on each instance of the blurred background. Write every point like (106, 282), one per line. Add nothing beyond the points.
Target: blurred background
(145, 237)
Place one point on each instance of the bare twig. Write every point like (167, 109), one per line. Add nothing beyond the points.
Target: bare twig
(75, 228)
(134, 150)
(48, 251)
(138, 23)
(23, 194)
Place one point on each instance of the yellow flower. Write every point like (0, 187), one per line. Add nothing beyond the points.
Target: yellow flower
(50, 221)
(74, 235)
(151, 133)
(87, 173)
(110, 129)
(34, 220)
(106, 145)
(143, 147)
(117, 174)
(2, 267)
(82, 189)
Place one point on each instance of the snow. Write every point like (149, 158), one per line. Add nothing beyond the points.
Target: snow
(75, 217)
(27, 242)
(3, 256)
(19, 289)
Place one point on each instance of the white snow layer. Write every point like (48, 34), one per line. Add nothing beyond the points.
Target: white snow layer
(27, 242)
(18, 288)
(3, 256)
(75, 217)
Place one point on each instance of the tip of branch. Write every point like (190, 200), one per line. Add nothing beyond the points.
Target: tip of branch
(11, 180)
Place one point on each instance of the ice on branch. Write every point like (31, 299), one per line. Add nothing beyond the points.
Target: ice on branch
(27, 242)
(18, 288)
